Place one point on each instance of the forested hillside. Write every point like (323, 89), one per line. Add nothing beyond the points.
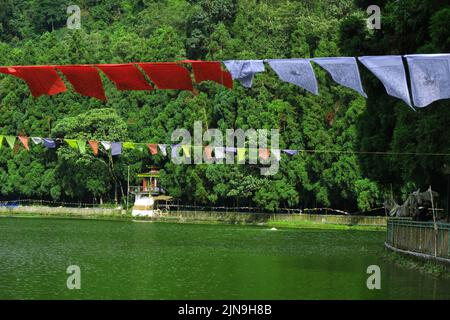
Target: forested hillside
(34, 32)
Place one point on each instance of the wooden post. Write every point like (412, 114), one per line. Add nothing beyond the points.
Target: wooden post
(115, 192)
(434, 222)
(448, 197)
(128, 186)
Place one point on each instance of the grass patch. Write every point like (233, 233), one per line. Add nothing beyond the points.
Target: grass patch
(315, 225)
(66, 216)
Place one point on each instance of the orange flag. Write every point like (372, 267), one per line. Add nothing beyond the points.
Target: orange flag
(264, 154)
(153, 148)
(208, 152)
(24, 141)
(94, 146)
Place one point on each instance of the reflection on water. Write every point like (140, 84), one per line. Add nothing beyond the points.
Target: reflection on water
(126, 260)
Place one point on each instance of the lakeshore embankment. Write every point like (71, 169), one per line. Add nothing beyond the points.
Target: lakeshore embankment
(212, 217)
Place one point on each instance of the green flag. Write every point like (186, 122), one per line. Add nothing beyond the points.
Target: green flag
(198, 153)
(140, 147)
(11, 140)
(81, 146)
(72, 143)
(197, 149)
(253, 155)
(128, 145)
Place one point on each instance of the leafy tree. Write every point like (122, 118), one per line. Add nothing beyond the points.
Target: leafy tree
(86, 173)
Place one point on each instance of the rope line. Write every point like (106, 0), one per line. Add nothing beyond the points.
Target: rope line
(375, 152)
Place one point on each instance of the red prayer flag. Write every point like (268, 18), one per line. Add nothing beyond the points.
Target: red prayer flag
(153, 148)
(24, 141)
(85, 80)
(94, 146)
(211, 70)
(40, 79)
(264, 154)
(168, 75)
(125, 76)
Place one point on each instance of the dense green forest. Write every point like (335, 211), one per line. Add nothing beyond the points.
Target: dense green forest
(34, 32)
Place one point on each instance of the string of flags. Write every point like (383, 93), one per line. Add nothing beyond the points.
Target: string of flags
(116, 148)
(429, 75)
(86, 80)
(211, 152)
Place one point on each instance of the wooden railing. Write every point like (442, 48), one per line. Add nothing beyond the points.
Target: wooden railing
(421, 237)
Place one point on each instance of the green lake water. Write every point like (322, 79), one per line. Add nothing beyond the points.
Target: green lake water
(129, 260)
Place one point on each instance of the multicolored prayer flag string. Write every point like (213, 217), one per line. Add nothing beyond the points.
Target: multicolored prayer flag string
(211, 152)
(154, 149)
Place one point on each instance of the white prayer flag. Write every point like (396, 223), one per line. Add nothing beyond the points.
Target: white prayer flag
(106, 144)
(244, 70)
(430, 77)
(296, 71)
(219, 153)
(162, 148)
(37, 140)
(276, 153)
(391, 72)
(343, 70)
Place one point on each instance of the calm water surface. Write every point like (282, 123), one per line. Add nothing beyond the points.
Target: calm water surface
(129, 260)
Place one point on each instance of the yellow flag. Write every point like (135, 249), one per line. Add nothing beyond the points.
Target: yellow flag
(240, 154)
(186, 150)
